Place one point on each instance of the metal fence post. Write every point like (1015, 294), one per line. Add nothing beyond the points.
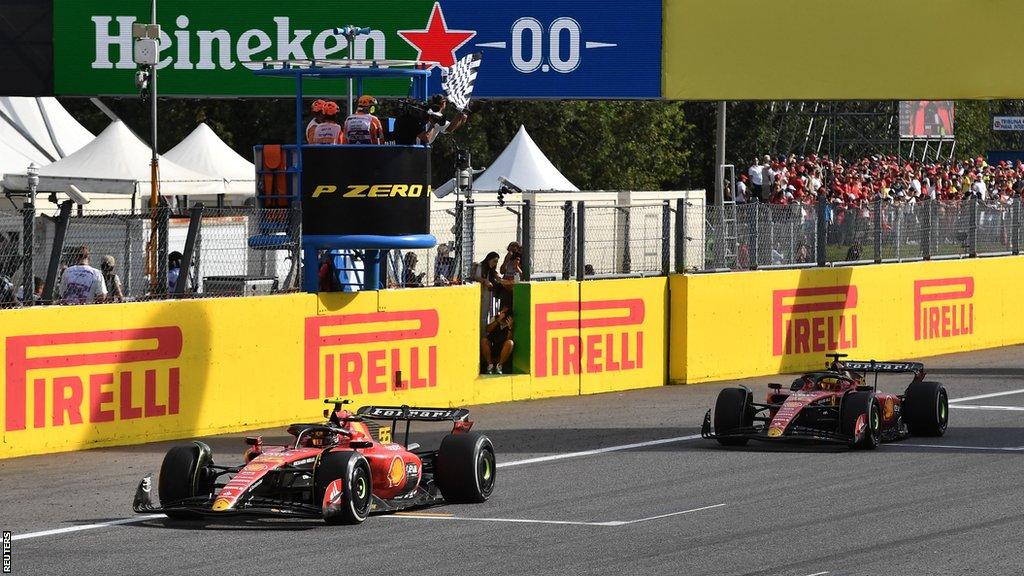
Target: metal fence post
(527, 243)
(926, 230)
(666, 237)
(468, 236)
(195, 222)
(627, 257)
(581, 238)
(28, 241)
(876, 220)
(754, 244)
(63, 219)
(822, 227)
(972, 231)
(567, 243)
(680, 235)
(457, 229)
(294, 236)
(163, 219)
(1015, 223)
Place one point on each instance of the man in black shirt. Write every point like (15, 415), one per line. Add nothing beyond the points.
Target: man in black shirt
(497, 343)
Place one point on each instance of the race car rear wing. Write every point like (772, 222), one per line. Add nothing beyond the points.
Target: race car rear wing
(883, 367)
(413, 414)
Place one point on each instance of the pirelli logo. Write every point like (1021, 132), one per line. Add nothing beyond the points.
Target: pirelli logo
(943, 308)
(65, 379)
(588, 337)
(814, 320)
(356, 354)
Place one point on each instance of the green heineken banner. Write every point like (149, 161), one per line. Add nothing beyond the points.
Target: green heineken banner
(529, 48)
(212, 47)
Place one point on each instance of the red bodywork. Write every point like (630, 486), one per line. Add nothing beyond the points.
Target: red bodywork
(394, 470)
(819, 387)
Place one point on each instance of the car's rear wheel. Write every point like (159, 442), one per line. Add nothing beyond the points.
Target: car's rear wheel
(466, 467)
(342, 486)
(734, 410)
(861, 420)
(185, 474)
(926, 409)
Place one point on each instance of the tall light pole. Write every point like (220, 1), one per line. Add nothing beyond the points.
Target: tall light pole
(146, 55)
(29, 242)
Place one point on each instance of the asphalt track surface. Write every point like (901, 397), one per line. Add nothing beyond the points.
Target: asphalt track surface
(950, 505)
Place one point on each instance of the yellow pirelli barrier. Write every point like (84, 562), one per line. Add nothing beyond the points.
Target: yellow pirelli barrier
(756, 323)
(92, 376)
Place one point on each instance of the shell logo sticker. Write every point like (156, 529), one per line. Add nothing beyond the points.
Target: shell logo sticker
(257, 467)
(396, 472)
(888, 408)
(774, 432)
(221, 504)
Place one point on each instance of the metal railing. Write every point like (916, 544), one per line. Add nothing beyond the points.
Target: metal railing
(803, 235)
(208, 252)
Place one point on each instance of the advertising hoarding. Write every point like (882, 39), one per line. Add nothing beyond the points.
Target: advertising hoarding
(531, 49)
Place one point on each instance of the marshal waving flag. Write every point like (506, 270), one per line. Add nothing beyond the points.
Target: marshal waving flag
(458, 80)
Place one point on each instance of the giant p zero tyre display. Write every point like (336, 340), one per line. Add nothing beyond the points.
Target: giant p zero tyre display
(183, 475)
(926, 409)
(733, 411)
(342, 487)
(466, 467)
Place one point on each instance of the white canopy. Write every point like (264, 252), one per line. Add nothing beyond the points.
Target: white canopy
(523, 164)
(36, 130)
(203, 151)
(116, 162)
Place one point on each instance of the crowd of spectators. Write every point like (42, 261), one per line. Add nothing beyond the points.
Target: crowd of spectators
(854, 183)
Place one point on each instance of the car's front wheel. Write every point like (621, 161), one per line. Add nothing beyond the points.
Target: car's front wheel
(185, 474)
(861, 420)
(342, 487)
(733, 410)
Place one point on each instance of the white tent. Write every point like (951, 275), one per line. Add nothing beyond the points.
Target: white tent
(203, 151)
(36, 130)
(117, 162)
(523, 164)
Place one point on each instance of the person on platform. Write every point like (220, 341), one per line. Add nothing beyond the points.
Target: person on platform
(328, 131)
(81, 283)
(318, 117)
(173, 269)
(363, 127)
(436, 123)
(491, 278)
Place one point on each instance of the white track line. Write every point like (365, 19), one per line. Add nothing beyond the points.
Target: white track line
(551, 458)
(974, 407)
(818, 574)
(983, 396)
(56, 531)
(950, 446)
(596, 451)
(610, 523)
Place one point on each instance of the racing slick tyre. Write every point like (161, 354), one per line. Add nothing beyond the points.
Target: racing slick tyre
(855, 405)
(342, 486)
(926, 409)
(466, 467)
(733, 410)
(185, 474)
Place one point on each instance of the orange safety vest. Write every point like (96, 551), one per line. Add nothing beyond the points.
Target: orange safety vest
(326, 133)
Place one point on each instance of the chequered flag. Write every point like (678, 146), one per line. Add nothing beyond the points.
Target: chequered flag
(458, 79)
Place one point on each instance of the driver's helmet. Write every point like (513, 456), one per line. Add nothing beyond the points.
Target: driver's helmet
(828, 384)
(319, 439)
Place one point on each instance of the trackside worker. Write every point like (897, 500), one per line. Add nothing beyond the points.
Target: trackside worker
(318, 117)
(363, 127)
(328, 131)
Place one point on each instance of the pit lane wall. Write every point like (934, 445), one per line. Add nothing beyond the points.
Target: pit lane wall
(118, 374)
(738, 325)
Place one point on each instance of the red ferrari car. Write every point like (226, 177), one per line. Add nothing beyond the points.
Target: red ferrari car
(836, 405)
(336, 470)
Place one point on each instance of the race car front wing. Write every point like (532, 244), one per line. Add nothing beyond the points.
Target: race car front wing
(761, 433)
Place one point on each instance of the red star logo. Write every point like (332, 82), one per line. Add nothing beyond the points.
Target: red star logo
(436, 43)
